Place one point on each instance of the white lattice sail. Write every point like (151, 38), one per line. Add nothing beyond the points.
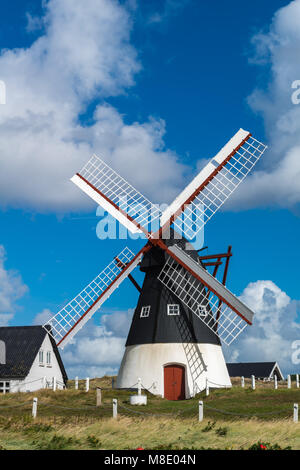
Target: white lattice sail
(117, 196)
(202, 198)
(207, 298)
(65, 324)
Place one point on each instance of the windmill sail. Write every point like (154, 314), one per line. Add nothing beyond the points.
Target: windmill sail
(210, 300)
(69, 320)
(202, 198)
(116, 196)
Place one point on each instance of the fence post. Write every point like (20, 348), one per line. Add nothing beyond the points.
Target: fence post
(34, 407)
(289, 382)
(87, 384)
(297, 380)
(253, 382)
(76, 383)
(54, 384)
(200, 411)
(243, 382)
(139, 387)
(44, 382)
(275, 382)
(99, 397)
(296, 412)
(207, 388)
(115, 408)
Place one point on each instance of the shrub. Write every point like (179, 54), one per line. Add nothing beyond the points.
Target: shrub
(93, 442)
(209, 427)
(222, 431)
(267, 446)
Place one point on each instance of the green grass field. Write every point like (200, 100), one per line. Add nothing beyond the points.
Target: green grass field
(70, 420)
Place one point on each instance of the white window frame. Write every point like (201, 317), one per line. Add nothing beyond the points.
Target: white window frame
(202, 311)
(41, 355)
(173, 310)
(145, 312)
(48, 358)
(4, 386)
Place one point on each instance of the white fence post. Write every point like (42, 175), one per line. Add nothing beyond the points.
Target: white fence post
(139, 387)
(200, 411)
(289, 382)
(34, 407)
(99, 397)
(297, 380)
(44, 382)
(54, 384)
(253, 382)
(243, 382)
(207, 388)
(76, 383)
(275, 382)
(87, 384)
(115, 408)
(296, 413)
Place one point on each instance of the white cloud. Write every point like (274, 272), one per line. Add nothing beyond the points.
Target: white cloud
(12, 289)
(277, 183)
(274, 329)
(83, 56)
(42, 317)
(97, 350)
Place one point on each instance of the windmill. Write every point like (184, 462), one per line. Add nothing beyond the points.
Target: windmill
(184, 312)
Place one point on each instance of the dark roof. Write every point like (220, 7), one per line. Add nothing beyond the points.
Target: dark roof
(247, 369)
(22, 345)
(156, 257)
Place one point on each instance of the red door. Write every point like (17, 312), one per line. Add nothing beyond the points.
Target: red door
(174, 382)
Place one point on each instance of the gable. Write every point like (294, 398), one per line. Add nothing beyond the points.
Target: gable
(22, 344)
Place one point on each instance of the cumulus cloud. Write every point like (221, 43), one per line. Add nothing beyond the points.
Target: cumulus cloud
(275, 328)
(82, 57)
(97, 350)
(12, 288)
(277, 50)
(42, 317)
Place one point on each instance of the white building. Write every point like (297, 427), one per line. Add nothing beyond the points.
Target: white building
(30, 360)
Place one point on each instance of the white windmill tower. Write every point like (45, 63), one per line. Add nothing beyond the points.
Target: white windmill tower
(174, 343)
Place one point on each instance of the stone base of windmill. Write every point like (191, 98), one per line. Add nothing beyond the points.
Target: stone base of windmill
(138, 400)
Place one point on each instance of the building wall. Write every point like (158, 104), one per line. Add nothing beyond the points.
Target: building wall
(147, 362)
(35, 379)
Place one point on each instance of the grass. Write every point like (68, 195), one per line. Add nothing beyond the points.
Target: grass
(69, 420)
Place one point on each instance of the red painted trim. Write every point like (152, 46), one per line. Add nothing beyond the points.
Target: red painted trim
(201, 187)
(115, 206)
(170, 253)
(209, 257)
(225, 277)
(142, 251)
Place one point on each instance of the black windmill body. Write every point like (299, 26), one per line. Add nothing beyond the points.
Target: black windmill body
(183, 312)
(166, 319)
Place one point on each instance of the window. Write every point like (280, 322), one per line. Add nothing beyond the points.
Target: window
(145, 311)
(173, 309)
(202, 311)
(4, 387)
(48, 358)
(41, 357)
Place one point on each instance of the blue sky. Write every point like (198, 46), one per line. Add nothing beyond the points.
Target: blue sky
(180, 79)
